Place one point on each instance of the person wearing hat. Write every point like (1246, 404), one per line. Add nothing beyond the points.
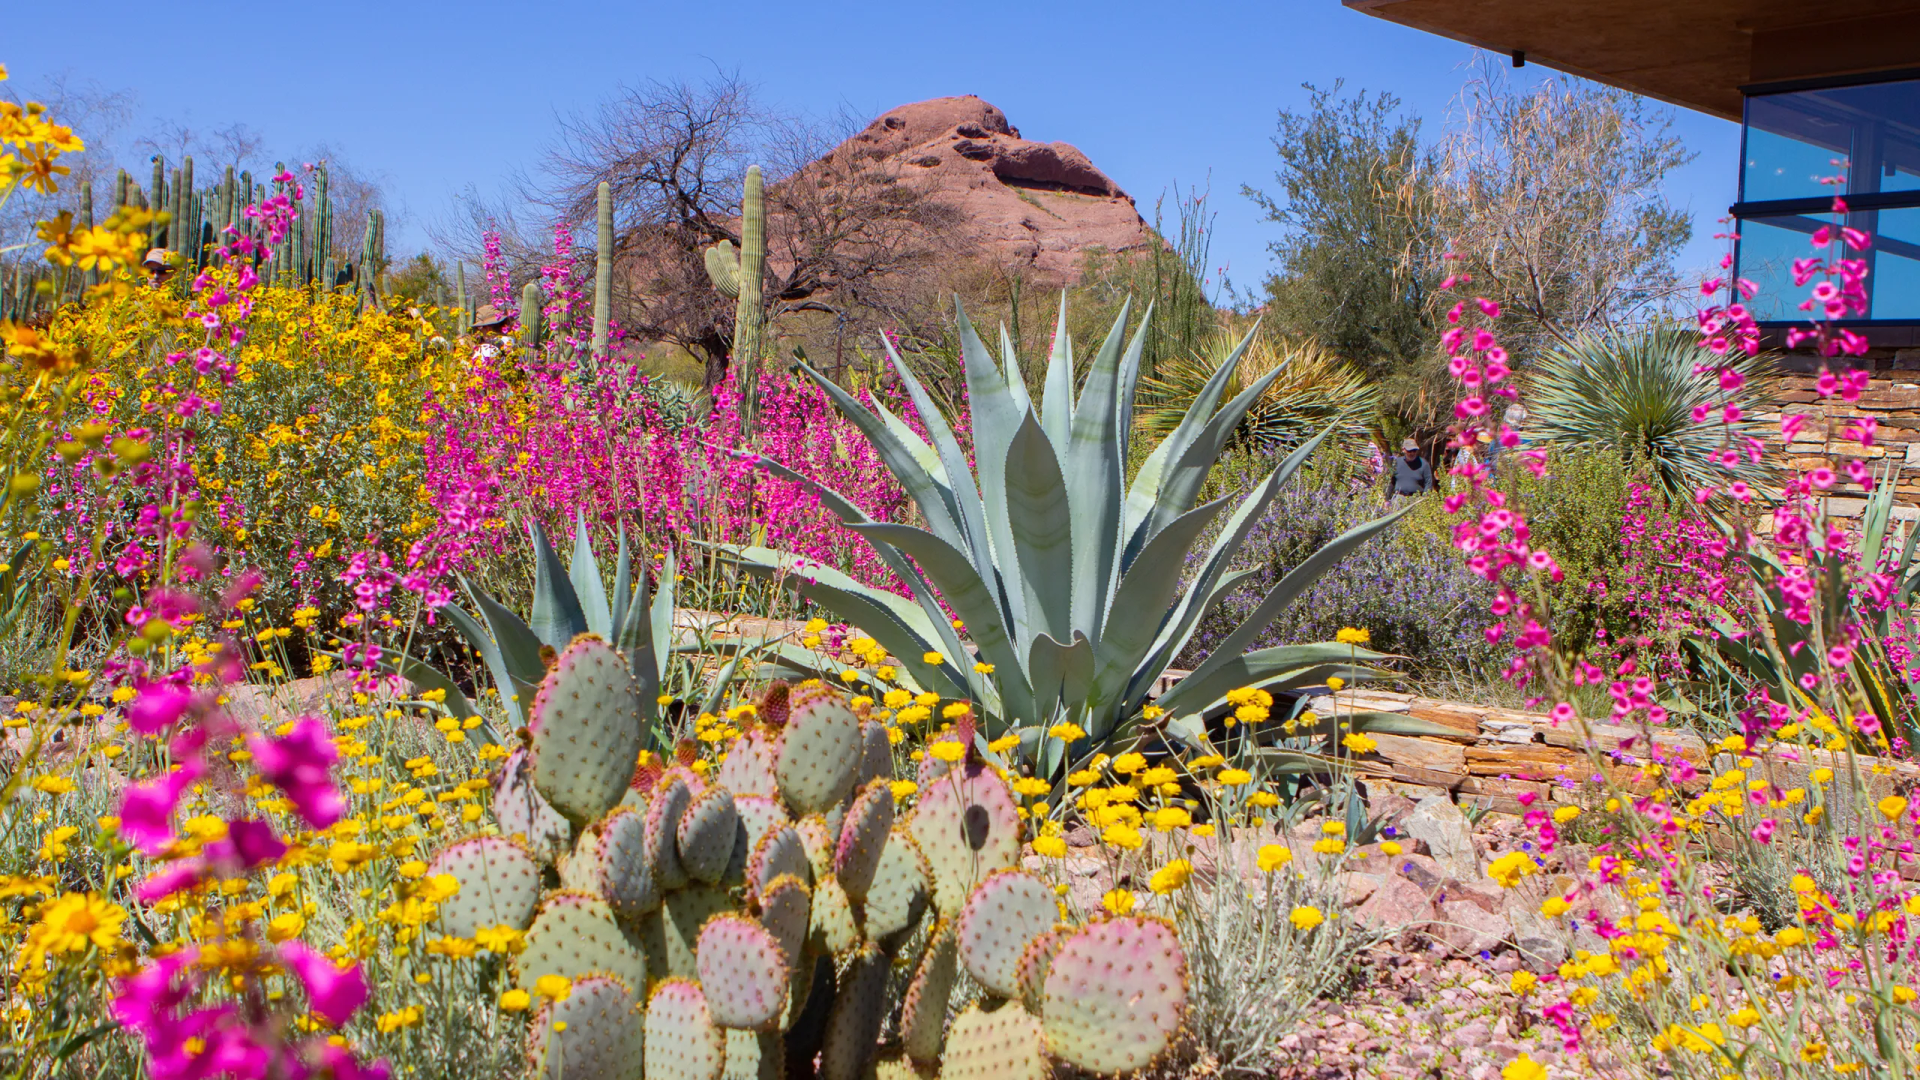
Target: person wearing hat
(1411, 475)
(158, 266)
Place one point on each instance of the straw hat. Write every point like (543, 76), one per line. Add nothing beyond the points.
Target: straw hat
(490, 318)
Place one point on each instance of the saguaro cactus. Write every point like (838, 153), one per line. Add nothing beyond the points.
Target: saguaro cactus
(602, 274)
(739, 275)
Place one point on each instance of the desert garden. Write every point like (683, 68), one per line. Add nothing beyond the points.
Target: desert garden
(741, 646)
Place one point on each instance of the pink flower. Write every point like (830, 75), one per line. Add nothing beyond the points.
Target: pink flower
(159, 705)
(146, 810)
(297, 765)
(1763, 832)
(333, 993)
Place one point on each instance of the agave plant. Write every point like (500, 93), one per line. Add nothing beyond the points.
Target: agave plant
(1315, 390)
(1068, 581)
(1635, 392)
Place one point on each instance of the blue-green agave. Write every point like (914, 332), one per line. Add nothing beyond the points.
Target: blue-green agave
(1069, 580)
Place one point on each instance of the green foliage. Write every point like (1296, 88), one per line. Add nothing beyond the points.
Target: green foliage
(420, 281)
(1633, 393)
(1313, 392)
(1067, 578)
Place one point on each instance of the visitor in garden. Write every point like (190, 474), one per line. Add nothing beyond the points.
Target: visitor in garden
(1412, 474)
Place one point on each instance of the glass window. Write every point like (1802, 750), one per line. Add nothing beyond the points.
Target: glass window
(1769, 245)
(1791, 140)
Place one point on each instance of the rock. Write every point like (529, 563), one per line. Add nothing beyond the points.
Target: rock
(1448, 836)
(1490, 897)
(1541, 944)
(1470, 929)
(1359, 887)
(1038, 205)
(1396, 904)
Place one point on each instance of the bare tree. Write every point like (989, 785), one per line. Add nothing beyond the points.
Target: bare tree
(1553, 202)
(845, 232)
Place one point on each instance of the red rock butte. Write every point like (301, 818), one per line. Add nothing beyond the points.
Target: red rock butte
(1027, 204)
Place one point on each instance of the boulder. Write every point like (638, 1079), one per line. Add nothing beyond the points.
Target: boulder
(1395, 903)
(1468, 928)
(1438, 823)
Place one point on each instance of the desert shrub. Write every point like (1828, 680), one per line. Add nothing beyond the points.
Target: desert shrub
(1407, 588)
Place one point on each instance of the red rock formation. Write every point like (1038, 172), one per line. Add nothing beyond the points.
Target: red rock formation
(1032, 204)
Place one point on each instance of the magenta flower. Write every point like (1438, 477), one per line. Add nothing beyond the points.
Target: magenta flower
(158, 705)
(297, 765)
(146, 810)
(333, 993)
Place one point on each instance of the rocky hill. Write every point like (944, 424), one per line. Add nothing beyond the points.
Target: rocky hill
(1024, 203)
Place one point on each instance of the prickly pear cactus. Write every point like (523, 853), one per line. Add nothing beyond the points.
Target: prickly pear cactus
(622, 873)
(707, 835)
(994, 1040)
(573, 936)
(594, 1034)
(835, 928)
(967, 826)
(818, 752)
(499, 885)
(586, 730)
(686, 911)
(1115, 994)
(522, 812)
(755, 1056)
(785, 910)
(863, 838)
(1035, 960)
(748, 769)
(779, 852)
(1004, 914)
(665, 811)
(682, 1042)
(859, 1008)
(819, 838)
(923, 1013)
(876, 754)
(743, 972)
(898, 894)
(760, 814)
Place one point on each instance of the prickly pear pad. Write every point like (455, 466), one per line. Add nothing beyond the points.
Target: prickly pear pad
(748, 769)
(858, 1011)
(686, 911)
(499, 885)
(1035, 960)
(818, 752)
(856, 857)
(743, 973)
(923, 1012)
(586, 730)
(597, 1037)
(785, 907)
(779, 852)
(876, 754)
(760, 814)
(523, 812)
(999, 1042)
(755, 1056)
(898, 896)
(834, 929)
(1000, 919)
(1115, 994)
(574, 935)
(626, 879)
(707, 835)
(967, 826)
(682, 1042)
(669, 806)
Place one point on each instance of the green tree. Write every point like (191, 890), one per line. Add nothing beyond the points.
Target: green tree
(1359, 263)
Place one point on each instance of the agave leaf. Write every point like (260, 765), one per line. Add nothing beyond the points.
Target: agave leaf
(717, 694)
(962, 587)
(489, 650)
(917, 446)
(588, 587)
(1056, 394)
(935, 499)
(1140, 607)
(425, 676)
(1182, 483)
(1292, 585)
(1129, 380)
(1042, 527)
(1369, 722)
(1063, 677)
(966, 496)
(661, 616)
(1210, 682)
(994, 425)
(519, 651)
(622, 589)
(557, 618)
(1144, 495)
(1093, 469)
(1016, 382)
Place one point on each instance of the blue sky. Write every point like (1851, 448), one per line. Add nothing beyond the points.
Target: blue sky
(430, 99)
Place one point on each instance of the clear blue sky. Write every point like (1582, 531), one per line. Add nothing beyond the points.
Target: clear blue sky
(432, 98)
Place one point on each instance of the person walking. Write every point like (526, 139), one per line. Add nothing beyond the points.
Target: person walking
(1412, 474)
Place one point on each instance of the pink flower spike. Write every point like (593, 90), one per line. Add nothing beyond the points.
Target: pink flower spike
(333, 993)
(297, 765)
(158, 706)
(146, 810)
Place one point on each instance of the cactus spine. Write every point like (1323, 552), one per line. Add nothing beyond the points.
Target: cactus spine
(602, 273)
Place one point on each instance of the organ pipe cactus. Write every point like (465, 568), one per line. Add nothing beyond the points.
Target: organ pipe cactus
(1069, 582)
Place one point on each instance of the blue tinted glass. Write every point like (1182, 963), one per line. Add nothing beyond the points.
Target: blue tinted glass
(1767, 250)
(1895, 281)
(1792, 139)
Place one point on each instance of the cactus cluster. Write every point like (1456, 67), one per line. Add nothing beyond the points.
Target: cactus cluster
(748, 921)
(737, 274)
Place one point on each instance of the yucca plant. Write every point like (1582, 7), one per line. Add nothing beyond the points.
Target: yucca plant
(1315, 390)
(1634, 392)
(1068, 581)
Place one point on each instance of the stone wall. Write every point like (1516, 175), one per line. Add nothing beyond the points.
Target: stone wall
(1892, 399)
